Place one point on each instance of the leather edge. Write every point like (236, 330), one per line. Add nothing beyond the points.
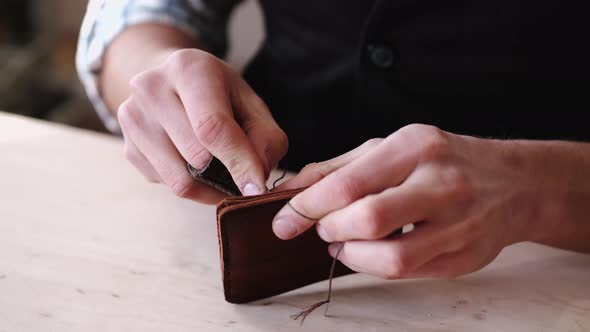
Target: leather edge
(231, 204)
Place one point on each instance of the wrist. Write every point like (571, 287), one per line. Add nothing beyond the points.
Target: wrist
(517, 190)
(550, 185)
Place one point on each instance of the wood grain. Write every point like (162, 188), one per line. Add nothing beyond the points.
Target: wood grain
(87, 245)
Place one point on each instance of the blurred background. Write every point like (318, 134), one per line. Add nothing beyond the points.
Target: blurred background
(37, 57)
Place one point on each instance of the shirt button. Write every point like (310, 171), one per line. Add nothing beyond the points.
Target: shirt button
(380, 55)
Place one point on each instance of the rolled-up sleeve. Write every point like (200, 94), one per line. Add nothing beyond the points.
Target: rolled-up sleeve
(105, 19)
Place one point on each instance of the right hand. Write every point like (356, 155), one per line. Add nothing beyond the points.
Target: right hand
(191, 107)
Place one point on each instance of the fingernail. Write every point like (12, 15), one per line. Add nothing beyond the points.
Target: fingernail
(284, 229)
(334, 248)
(322, 232)
(251, 190)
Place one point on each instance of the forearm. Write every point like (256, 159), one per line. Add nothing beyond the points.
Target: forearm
(559, 175)
(136, 49)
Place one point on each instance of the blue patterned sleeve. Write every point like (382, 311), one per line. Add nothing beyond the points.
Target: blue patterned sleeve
(105, 19)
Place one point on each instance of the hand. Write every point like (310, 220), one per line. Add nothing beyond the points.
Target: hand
(193, 106)
(466, 197)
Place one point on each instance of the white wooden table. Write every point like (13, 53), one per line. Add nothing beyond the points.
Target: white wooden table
(87, 245)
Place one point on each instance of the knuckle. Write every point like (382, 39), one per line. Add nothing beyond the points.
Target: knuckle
(197, 155)
(309, 168)
(207, 60)
(455, 183)
(410, 131)
(372, 143)
(347, 188)
(433, 143)
(417, 129)
(238, 167)
(282, 141)
(147, 84)
(276, 148)
(372, 222)
(187, 60)
(209, 129)
(324, 169)
(129, 116)
(318, 170)
(313, 168)
(182, 59)
(397, 264)
(181, 185)
(257, 102)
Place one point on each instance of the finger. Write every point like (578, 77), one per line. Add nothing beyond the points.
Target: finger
(157, 98)
(313, 173)
(172, 169)
(377, 216)
(132, 153)
(140, 162)
(385, 166)
(153, 142)
(399, 256)
(454, 264)
(210, 112)
(268, 139)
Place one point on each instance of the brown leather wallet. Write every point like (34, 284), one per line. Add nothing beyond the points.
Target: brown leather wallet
(255, 263)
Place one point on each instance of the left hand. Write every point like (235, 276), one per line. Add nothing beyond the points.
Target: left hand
(468, 198)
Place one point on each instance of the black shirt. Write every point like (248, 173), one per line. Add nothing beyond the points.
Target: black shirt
(336, 73)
